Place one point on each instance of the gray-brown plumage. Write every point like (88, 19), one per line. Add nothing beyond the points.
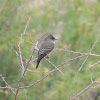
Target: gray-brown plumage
(46, 47)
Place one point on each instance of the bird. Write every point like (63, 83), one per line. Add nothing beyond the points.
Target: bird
(46, 47)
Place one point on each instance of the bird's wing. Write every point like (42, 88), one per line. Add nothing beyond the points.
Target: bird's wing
(46, 48)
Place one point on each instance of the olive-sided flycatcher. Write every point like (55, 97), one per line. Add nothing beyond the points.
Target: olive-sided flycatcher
(46, 47)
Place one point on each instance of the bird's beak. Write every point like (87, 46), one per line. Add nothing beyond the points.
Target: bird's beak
(56, 39)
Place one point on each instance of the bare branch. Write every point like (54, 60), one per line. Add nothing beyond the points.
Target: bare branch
(84, 90)
(51, 72)
(20, 55)
(85, 61)
(7, 86)
(94, 64)
(23, 74)
(55, 66)
(91, 76)
(23, 71)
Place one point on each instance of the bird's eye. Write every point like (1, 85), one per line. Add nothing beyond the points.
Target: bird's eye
(52, 38)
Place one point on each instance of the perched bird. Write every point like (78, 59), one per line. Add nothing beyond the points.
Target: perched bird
(46, 47)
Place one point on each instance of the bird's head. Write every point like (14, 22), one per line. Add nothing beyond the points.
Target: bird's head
(50, 38)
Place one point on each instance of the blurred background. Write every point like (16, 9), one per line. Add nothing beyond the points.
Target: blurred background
(73, 22)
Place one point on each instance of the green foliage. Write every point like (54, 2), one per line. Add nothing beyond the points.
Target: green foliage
(79, 28)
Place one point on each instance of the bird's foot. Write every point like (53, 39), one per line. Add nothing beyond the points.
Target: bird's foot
(47, 56)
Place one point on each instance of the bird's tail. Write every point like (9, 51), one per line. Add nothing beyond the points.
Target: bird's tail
(38, 61)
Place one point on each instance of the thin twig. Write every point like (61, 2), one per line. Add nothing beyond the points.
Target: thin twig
(23, 71)
(85, 61)
(84, 90)
(66, 62)
(55, 66)
(7, 84)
